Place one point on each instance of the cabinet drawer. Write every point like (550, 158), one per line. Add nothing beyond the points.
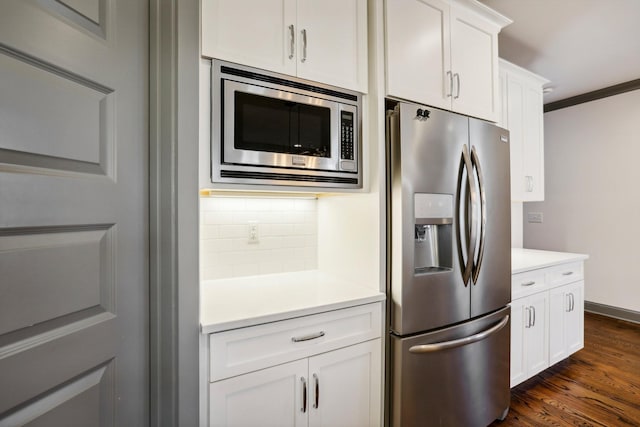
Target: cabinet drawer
(244, 350)
(565, 273)
(527, 283)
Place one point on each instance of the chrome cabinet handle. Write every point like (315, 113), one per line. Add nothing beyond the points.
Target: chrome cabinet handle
(475, 161)
(308, 337)
(533, 309)
(457, 77)
(304, 395)
(304, 45)
(450, 94)
(316, 405)
(527, 324)
(572, 300)
(567, 273)
(529, 184)
(429, 348)
(292, 35)
(532, 282)
(568, 303)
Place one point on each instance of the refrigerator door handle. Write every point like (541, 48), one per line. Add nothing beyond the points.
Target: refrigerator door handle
(430, 348)
(477, 263)
(469, 234)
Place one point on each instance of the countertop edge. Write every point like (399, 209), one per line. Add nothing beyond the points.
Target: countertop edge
(561, 258)
(291, 314)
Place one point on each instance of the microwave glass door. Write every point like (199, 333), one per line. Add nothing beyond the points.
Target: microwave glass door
(277, 125)
(268, 127)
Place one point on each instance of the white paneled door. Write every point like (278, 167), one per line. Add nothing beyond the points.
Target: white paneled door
(73, 213)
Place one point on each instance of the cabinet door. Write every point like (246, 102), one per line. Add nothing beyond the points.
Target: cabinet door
(332, 42)
(574, 320)
(502, 85)
(269, 397)
(518, 322)
(251, 32)
(515, 123)
(346, 386)
(537, 335)
(474, 63)
(417, 51)
(566, 321)
(532, 144)
(523, 116)
(559, 306)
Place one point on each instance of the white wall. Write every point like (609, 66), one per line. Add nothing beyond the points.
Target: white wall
(516, 225)
(592, 199)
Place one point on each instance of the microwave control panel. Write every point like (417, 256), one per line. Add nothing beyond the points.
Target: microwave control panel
(346, 135)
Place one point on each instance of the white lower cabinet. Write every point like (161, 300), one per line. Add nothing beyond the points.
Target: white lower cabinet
(529, 336)
(318, 370)
(566, 315)
(270, 397)
(338, 388)
(547, 318)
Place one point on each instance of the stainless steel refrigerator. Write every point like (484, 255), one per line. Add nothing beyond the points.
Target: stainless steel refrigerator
(449, 268)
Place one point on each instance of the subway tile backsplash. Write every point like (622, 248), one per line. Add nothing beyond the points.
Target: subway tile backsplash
(286, 232)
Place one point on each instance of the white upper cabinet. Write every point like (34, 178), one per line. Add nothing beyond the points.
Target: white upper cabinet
(418, 54)
(320, 40)
(444, 53)
(522, 114)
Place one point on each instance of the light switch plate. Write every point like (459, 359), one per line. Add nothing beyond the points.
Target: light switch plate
(534, 217)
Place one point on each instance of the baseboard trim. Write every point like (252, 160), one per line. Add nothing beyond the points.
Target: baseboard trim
(616, 312)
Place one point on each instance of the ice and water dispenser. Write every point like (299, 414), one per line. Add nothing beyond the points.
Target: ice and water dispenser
(433, 214)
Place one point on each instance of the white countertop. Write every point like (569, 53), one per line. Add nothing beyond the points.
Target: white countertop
(247, 301)
(531, 259)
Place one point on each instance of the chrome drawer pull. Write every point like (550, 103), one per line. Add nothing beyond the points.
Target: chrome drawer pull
(567, 273)
(308, 337)
(529, 283)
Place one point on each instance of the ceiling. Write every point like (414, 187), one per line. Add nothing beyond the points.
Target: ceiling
(579, 45)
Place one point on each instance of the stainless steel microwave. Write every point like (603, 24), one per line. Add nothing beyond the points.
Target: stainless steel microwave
(271, 129)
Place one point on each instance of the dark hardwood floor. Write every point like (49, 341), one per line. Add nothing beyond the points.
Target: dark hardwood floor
(597, 386)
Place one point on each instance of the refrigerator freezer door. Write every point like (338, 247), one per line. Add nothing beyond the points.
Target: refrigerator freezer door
(458, 376)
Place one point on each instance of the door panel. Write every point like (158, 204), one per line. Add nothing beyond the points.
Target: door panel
(474, 58)
(251, 32)
(345, 386)
(467, 385)
(418, 51)
(77, 404)
(336, 51)
(492, 290)
(73, 212)
(425, 160)
(268, 397)
(536, 346)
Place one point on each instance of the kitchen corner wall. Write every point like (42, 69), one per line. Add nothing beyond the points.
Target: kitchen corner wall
(287, 236)
(516, 225)
(592, 201)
